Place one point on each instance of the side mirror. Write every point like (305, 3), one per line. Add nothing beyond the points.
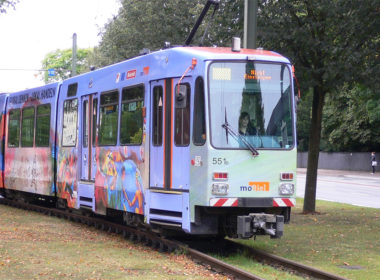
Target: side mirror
(181, 96)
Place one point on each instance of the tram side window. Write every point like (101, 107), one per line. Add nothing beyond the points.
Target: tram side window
(157, 115)
(70, 120)
(108, 122)
(182, 115)
(131, 128)
(27, 127)
(43, 125)
(94, 119)
(199, 126)
(14, 128)
(72, 90)
(85, 124)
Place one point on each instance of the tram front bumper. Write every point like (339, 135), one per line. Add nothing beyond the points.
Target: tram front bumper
(260, 224)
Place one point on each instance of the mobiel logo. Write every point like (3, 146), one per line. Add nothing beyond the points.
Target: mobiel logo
(255, 187)
(42, 94)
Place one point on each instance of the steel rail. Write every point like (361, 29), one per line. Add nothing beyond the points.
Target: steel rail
(285, 263)
(219, 265)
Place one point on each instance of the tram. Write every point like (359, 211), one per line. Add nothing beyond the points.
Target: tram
(187, 140)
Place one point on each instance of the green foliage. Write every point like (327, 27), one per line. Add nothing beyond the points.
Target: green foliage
(137, 137)
(140, 25)
(61, 61)
(330, 42)
(303, 120)
(333, 47)
(5, 4)
(351, 120)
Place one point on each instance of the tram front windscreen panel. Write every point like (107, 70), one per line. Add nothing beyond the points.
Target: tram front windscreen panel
(255, 100)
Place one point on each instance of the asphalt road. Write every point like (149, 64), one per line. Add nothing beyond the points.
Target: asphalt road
(356, 188)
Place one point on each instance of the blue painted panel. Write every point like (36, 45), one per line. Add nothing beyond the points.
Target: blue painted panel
(156, 167)
(156, 164)
(169, 202)
(164, 201)
(86, 191)
(181, 155)
(181, 168)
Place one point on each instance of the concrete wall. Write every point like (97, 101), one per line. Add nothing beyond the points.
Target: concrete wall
(339, 161)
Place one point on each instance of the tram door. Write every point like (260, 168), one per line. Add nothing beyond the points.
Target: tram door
(89, 120)
(157, 147)
(170, 135)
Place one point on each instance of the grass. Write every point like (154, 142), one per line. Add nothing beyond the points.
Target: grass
(340, 239)
(34, 246)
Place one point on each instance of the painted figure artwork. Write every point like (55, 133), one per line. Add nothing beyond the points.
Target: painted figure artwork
(67, 176)
(118, 180)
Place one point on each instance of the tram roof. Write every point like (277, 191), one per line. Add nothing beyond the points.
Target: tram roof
(211, 53)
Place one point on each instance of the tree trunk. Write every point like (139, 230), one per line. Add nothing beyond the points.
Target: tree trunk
(312, 162)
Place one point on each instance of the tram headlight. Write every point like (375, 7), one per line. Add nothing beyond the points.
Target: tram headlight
(219, 189)
(286, 189)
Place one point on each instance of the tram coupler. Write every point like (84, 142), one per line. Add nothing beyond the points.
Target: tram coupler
(260, 224)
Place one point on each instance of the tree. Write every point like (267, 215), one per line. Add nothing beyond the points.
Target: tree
(332, 43)
(304, 120)
(140, 25)
(4, 4)
(61, 62)
(351, 120)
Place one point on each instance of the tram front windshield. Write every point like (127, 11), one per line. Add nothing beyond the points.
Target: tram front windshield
(250, 104)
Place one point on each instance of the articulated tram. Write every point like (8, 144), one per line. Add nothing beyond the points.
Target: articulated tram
(194, 140)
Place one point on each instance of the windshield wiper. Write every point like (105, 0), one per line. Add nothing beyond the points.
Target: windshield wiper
(237, 136)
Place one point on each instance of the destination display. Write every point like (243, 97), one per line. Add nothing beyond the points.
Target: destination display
(39, 95)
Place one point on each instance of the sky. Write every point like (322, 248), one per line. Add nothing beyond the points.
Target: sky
(35, 28)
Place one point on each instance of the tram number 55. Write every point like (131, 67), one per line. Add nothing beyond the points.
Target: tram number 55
(219, 161)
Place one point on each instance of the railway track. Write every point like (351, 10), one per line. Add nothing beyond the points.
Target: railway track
(149, 238)
(229, 247)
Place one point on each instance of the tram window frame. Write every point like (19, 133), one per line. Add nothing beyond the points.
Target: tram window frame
(157, 116)
(182, 129)
(73, 142)
(94, 119)
(72, 90)
(28, 127)
(40, 118)
(199, 117)
(10, 126)
(101, 107)
(129, 96)
(85, 122)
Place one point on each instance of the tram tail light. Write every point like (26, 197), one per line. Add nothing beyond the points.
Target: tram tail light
(287, 176)
(220, 176)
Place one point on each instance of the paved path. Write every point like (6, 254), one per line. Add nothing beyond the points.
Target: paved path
(352, 187)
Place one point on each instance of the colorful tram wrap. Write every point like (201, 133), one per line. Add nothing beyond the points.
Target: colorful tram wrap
(191, 140)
